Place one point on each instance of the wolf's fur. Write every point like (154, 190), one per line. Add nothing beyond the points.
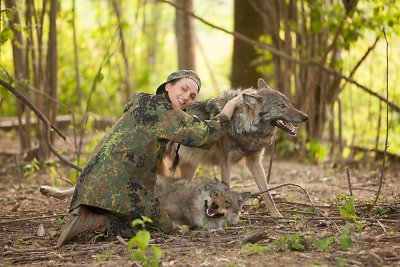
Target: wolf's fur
(206, 205)
(209, 205)
(252, 127)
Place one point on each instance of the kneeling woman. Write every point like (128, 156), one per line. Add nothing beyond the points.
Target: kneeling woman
(117, 183)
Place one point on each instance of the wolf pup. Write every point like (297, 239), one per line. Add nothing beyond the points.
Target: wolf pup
(209, 205)
(252, 127)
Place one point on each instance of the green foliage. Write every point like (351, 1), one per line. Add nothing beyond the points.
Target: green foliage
(59, 221)
(146, 254)
(31, 170)
(250, 249)
(6, 15)
(317, 150)
(345, 240)
(347, 209)
(322, 245)
(294, 242)
(104, 257)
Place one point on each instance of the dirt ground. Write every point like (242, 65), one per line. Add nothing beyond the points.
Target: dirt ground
(258, 240)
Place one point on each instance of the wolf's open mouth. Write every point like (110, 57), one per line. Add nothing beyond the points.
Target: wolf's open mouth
(211, 213)
(285, 126)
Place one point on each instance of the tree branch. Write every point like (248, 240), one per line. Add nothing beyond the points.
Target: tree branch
(284, 55)
(46, 122)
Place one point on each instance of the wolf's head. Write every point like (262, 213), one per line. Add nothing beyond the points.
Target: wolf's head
(216, 205)
(265, 108)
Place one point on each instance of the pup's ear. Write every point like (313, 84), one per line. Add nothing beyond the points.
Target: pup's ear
(243, 197)
(251, 100)
(262, 84)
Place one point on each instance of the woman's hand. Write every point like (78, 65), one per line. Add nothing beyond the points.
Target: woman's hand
(236, 100)
(231, 105)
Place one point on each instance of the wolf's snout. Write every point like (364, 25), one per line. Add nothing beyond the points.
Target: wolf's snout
(214, 206)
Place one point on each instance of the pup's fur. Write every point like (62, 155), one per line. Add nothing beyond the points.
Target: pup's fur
(205, 205)
(209, 205)
(252, 128)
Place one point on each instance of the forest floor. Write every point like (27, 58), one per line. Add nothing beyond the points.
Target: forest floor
(308, 235)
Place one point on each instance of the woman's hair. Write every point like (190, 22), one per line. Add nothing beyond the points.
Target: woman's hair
(176, 159)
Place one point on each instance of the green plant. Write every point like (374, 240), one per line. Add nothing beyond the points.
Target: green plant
(6, 33)
(321, 245)
(296, 242)
(31, 169)
(107, 255)
(148, 255)
(345, 240)
(317, 150)
(250, 249)
(59, 221)
(348, 210)
(51, 168)
(289, 242)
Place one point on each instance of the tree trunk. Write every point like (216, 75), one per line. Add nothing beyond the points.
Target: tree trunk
(76, 59)
(185, 35)
(315, 91)
(49, 108)
(247, 20)
(21, 71)
(35, 49)
(127, 79)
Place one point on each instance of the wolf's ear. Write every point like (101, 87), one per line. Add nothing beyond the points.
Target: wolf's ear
(251, 100)
(262, 84)
(243, 197)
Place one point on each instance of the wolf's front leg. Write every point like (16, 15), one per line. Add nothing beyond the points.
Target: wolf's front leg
(188, 170)
(253, 162)
(226, 172)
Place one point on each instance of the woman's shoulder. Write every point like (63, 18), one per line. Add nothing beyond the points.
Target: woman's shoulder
(150, 101)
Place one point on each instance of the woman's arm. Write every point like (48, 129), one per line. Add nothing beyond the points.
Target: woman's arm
(178, 126)
(231, 105)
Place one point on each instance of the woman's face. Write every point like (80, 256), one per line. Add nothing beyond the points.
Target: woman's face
(182, 93)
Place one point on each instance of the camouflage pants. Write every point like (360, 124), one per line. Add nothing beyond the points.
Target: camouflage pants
(117, 225)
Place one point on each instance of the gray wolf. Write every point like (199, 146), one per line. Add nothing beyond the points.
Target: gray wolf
(208, 205)
(252, 127)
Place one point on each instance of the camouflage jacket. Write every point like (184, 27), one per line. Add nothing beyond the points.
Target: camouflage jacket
(121, 173)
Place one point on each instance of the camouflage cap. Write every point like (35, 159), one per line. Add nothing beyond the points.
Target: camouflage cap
(179, 75)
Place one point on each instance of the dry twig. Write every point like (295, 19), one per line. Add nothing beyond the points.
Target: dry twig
(33, 218)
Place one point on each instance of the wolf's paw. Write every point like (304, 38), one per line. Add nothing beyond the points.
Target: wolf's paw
(183, 229)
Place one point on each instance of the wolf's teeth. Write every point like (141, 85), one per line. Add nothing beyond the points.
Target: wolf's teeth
(210, 213)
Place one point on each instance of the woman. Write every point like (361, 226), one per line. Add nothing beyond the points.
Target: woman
(116, 185)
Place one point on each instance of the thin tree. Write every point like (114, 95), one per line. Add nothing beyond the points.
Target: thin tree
(185, 35)
(248, 21)
(21, 72)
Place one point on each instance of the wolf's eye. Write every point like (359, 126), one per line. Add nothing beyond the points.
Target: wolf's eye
(281, 105)
(215, 193)
(227, 202)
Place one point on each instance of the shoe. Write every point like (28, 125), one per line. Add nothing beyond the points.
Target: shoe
(82, 219)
